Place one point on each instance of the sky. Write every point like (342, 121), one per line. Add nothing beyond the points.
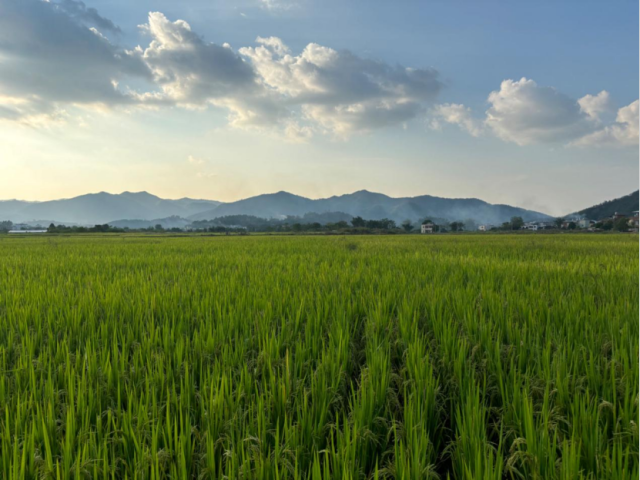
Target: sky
(532, 104)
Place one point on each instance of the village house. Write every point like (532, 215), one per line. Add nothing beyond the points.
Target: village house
(427, 228)
(617, 216)
(485, 228)
(633, 221)
(533, 226)
(584, 223)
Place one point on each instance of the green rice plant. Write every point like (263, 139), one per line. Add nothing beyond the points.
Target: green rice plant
(407, 357)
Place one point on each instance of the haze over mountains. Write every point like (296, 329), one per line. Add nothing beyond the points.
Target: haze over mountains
(100, 208)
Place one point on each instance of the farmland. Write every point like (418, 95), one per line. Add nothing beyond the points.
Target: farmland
(469, 357)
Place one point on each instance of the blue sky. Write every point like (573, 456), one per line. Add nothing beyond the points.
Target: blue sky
(528, 103)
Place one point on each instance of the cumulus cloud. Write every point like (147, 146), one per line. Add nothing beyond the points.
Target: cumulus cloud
(623, 133)
(51, 58)
(596, 105)
(193, 73)
(190, 70)
(339, 91)
(55, 54)
(458, 115)
(524, 113)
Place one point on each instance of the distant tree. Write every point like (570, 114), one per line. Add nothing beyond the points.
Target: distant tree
(572, 226)
(158, 227)
(6, 225)
(516, 223)
(605, 225)
(407, 225)
(558, 222)
(621, 225)
(358, 222)
(341, 225)
(456, 226)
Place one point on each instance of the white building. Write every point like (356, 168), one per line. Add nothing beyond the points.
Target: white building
(27, 231)
(584, 223)
(427, 228)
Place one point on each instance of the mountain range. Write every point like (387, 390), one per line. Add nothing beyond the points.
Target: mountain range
(625, 205)
(371, 206)
(100, 208)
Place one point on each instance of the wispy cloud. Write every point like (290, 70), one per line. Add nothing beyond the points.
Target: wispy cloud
(279, 5)
(195, 161)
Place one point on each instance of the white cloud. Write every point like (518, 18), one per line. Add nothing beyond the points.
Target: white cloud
(525, 113)
(189, 70)
(622, 133)
(596, 105)
(340, 92)
(194, 160)
(296, 133)
(52, 58)
(456, 114)
(275, 5)
(31, 112)
(55, 54)
(193, 73)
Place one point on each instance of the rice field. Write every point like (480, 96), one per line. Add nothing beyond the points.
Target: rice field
(407, 357)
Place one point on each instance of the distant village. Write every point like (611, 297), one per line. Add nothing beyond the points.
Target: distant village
(243, 224)
(617, 222)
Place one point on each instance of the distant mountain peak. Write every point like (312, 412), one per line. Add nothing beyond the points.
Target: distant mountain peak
(282, 193)
(140, 194)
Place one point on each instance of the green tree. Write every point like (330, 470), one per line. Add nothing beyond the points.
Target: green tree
(516, 223)
(572, 226)
(456, 226)
(558, 222)
(621, 225)
(407, 225)
(358, 222)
